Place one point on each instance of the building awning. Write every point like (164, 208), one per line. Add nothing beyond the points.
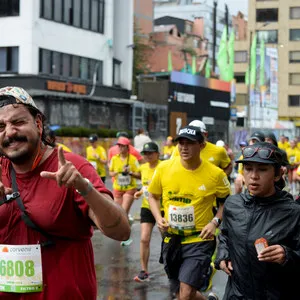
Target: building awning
(45, 93)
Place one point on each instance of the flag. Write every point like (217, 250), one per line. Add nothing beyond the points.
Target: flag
(262, 64)
(253, 62)
(170, 65)
(230, 68)
(194, 65)
(222, 60)
(207, 69)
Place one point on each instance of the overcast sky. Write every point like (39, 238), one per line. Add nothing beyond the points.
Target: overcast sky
(233, 5)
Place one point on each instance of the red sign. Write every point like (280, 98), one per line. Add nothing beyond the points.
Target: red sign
(67, 87)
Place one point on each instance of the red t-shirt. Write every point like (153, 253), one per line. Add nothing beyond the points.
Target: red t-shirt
(114, 150)
(68, 266)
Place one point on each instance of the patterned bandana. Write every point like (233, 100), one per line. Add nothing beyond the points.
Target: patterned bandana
(19, 94)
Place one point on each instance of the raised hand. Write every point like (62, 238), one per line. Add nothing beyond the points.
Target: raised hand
(66, 173)
(3, 189)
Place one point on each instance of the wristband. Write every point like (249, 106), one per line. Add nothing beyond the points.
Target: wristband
(89, 188)
(217, 221)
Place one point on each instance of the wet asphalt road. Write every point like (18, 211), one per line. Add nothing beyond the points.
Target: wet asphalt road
(117, 265)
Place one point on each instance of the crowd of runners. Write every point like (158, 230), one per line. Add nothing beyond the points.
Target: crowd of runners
(250, 232)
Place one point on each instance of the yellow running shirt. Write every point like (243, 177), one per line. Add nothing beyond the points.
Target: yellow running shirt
(100, 151)
(212, 153)
(146, 174)
(293, 155)
(168, 150)
(124, 182)
(64, 147)
(188, 196)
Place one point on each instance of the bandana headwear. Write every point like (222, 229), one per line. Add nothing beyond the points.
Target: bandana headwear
(19, 94)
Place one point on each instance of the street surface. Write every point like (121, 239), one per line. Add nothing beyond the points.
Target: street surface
(117, 265)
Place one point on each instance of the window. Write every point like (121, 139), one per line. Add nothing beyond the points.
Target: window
(9, 8)
(240, 78)
(68, 12)
(269, 36)
(101, 16)
(295, 12)
(66, 65)
(58, 10)
(9, 60)
(84, 68)
(86, 14)
(267, 15)
(45, 61)
(294, 34)
(294, 78)
(294, 100)
(117, 72)
(77, 13)
(56, 63)
(240, 56)
(294, 56)
(94, 15)
(75, 66)
(47, 9)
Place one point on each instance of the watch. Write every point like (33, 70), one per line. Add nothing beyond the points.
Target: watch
(89, 188)
(217, 220)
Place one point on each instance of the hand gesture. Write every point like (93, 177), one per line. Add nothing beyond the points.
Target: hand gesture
(208, 231)
(138, 194)
(66, 173)
(3, 189)
(275, 254)
(226, 266)
(163, 225)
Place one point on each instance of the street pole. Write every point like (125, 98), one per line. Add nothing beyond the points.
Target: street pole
(249, 85)
(214, 36)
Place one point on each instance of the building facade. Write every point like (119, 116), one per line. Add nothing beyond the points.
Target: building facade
(278, 23)
(73, 57)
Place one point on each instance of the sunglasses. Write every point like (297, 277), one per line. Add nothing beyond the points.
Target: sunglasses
(263, 153)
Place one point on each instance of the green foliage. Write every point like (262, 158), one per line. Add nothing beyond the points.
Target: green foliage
(86, 132)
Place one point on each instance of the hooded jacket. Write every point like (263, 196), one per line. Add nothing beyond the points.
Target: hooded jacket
(247, 218)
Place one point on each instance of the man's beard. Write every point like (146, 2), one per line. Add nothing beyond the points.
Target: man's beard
(23, 156)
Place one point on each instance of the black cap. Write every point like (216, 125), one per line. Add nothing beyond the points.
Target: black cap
(93, 138)
(275, 157)
(271, 136)
(191, 133)
(258, 136)
(150, 147)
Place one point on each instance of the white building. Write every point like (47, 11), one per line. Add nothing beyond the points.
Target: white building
(55, 48)
(191, 9)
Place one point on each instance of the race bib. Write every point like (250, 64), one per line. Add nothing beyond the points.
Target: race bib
(145, 191)
(292, 159)
(94, 164)
(21, 269)
(124, 180)
(181, 217)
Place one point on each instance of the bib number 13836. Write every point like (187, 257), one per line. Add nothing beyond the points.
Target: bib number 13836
(181, 217)
(20, 269)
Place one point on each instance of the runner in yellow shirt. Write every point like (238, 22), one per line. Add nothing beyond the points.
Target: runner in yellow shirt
(97, 156)
(188, 186)
(283, 143)
(293, 155)
(151, 155)
(168, 148)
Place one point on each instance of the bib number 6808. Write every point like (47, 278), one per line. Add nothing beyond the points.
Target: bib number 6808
(17, 268)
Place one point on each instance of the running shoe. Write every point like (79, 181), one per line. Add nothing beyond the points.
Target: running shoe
(207, 284)
(212, 296)
(142, 277)
(130, 219)
(126, 243)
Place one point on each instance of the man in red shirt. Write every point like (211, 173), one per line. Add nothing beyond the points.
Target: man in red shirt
(50, 200)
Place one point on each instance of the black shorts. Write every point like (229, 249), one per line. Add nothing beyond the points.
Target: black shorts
(194, 263)
(147, 217)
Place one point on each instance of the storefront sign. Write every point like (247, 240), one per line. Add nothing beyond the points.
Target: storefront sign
(67, 87)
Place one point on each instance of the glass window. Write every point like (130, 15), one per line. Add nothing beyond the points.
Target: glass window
(294, 56)
(47, 7)
(101, 15)
(9, 59)
(56, 65)
(240, 78)
(117, 73)
(86, 14)
(76, 13)
(58, 10)
(267, 15)
(66, 65)
(68, 13)
(240, 56)
(45, 61)
(269, 36)
(95, 19)
(294, 100)
(100, 72)
(9, 8)
(75, 66)
(294, 78)
(295, 12)
(93, 67)
(84, 68)
(294, 34)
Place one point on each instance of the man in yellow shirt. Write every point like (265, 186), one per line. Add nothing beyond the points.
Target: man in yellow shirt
(188, 187)
(210, 152)
(96, 155)
(168, 148)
